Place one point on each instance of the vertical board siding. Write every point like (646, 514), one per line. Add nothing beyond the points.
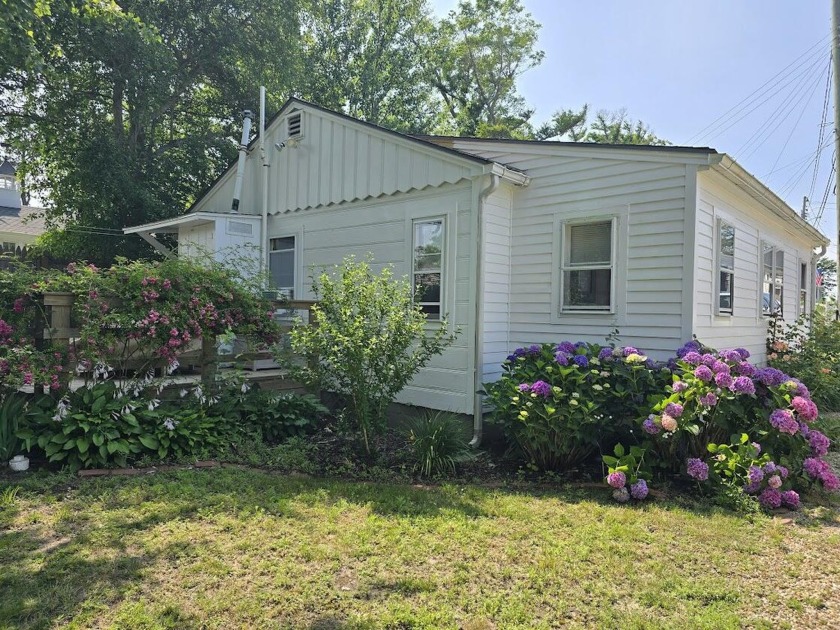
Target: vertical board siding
(648, 196)
(746, 327)
(382, 228)
(496, 265)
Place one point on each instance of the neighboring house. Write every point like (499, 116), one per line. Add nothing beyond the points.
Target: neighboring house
(520, 242)
(20, 225)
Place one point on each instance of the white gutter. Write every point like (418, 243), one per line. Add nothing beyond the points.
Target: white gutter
(743, 179)
(265, 164)
(240, 167)
(813, 281)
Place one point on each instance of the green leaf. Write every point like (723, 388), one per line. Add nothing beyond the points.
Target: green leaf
(149, 441)
(712, 448)
(98, 404)
(98, 439)
(82, 444)
(619, 450)
(694, 429)
(610, 461)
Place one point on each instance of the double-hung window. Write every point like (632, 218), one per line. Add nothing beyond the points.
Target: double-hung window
(803, 287)
(726, 268)
(281, 264)
(587, 268)
(772, 279)
(427, 265)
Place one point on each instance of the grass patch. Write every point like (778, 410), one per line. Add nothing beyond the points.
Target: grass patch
(240, 549)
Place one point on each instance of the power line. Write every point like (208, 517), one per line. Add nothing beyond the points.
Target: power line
(828, 188)
(814, 51)
(782, 113)
(823, 125)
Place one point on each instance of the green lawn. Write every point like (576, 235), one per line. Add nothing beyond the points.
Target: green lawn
(230, 548)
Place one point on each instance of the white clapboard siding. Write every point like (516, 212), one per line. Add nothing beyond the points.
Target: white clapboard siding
(746, 327)
(335, 160)
(496, 266)
(647, 190)
(382, 228)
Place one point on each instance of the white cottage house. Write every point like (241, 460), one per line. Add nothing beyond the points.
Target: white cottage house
(539, 241)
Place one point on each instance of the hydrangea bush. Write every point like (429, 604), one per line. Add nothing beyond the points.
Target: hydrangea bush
(560, 402)
(712, 416)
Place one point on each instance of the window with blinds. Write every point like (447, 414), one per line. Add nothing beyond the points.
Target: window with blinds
(281, 265)
(587, 268)
(803, 287)
(726, 268)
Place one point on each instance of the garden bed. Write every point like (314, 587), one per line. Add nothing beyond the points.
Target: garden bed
(229, 548)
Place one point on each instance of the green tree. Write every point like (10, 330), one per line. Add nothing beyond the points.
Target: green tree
(607, 128)
(363, 58)
(473, 59)
(130, 110)
(828, 268)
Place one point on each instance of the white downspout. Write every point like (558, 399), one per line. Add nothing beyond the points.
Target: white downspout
(478, 403)
(813, 282)
(264, 223)
(240, 167)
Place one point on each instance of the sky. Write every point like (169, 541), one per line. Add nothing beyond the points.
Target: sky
(746, 77)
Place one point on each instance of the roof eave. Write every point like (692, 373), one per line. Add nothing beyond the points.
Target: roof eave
(737, 175)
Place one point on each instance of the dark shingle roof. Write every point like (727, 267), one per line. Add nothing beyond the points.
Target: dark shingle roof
(26, 220)
(7, 168)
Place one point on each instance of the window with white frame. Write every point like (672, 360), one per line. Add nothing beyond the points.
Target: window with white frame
(281, 264)
(8, 246)
(726, 268)
(803, 287)
(7, 183)
(427, 265)
(772, 279)
(587, 268)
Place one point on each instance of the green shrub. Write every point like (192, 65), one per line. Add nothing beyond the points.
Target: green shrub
(809, 349)
(104, 425)
(561, 403)
(12, 408)
(370, 340)
(438, 443)
(278, 417)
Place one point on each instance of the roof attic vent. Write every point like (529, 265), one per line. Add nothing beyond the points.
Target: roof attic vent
(294, 125)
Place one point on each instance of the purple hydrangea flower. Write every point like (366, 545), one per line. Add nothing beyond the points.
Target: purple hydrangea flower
(745, 354)
(628, 350)
(709, 399)
(790, 499)
(674, 409)
(819, 443)
(769, 468)
(567, 346)
(605, 353)
(639, 490)
(524, 387)
(783, 421)
(697, 469)
(688, 346)
(743, 385)
(562, 358)
(770, 499)
(649, 426)
(755, 474)
(745, 369)
(724, 380)
(782, 471)
(752, 487)
(708, 360)
(730, 355)
(703, 373)
(719, 367)
(775, 481)
(679, 386)
(541, 388)
(617, 479)
(771, 376)
(534, 349)
(693, 358)
(581, 361)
